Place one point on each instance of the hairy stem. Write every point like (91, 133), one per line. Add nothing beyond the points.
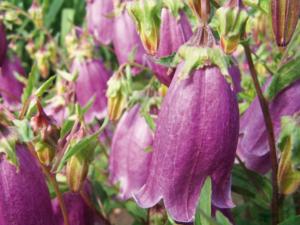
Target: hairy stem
(271, 137)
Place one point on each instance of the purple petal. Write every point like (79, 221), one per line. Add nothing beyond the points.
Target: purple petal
(253, 146)
(99, 25)
(78, 212)
(173, 33)
(235, 73)
(91, 82)
(10, 88)
(24, 196)
(126, 40)
(129, 162)
(196, 137)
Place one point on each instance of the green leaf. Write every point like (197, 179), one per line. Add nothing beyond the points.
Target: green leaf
(32, 78)
(66, 127)
(24, 130)
(67, 22)
(221, 219)
(203, 213)
(52, 12)
(291, 221)
(44, 87)
(166, 61)
(284, 77)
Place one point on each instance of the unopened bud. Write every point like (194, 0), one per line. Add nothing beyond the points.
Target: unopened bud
(145, 13)
(30, 48)
(232, 18)
(36, 13)
(285, 15)
(51, 48)
(42, 60)
(201, 8)
(117, 96)
(45, 152)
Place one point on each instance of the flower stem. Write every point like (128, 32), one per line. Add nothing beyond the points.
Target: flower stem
(271, 137)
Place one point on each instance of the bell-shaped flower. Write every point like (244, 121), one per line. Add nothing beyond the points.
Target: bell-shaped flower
(127, 44)
(10, 88)
(129, 161)
(174, 31)
(196, 137)
(24, 196)
(91, 83)
(253, 146)
(99, 21)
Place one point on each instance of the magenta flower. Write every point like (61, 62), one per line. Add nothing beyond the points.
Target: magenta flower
(129, 161)
(10, 88)
(3, 44)
(98, 21)
(78, 212)
(196, 137)
(173, 33)
(126, 41)
(91, 82)
(235, 74)
(24, 196)
(253, 146)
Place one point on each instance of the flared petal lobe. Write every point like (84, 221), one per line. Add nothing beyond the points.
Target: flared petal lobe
(129, 161)
(91, 83)
(24, 196)
(10, 88)
(127, 44)
(173, 33)
(78, 212)
(99, 21)
(253, 146)
(196, 137)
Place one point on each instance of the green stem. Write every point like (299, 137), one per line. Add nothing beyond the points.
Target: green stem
(271, 137)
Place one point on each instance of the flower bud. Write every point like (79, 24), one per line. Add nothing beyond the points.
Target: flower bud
(3, 43)
(200, 8)
(42, 61)
(45, 152)
(232, 18)
(51, 49)
(117, 95)
(285, 15)
(146, 16)
(36, 13)
(30, 48)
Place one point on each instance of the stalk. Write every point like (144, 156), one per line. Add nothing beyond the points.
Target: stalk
(271, 137)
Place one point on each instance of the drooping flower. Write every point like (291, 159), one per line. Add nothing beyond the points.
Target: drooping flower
(253, 146)
(78, 211)
(127, 44)
(3, 44)
(196, 137)
(10, 88)
(24, 196)
(173, 33)
(91, 83)
(129, 161)
(98, 20)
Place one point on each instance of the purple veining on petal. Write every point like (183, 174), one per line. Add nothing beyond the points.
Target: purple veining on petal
(78, 212)
(196, 137)
(126, 41)
(253, 146)
(91, 82)
(3, 44)
(24, 196)
(98, 21)
(129, 161)
(10, 88)
(173, 33)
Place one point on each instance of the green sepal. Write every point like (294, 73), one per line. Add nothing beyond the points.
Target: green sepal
(196, 58)
(8, 145)
(175, 6)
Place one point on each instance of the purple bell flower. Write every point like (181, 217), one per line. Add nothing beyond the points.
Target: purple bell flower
(3, 44)
(78, 212)
(99, 25)
(173, 33)
(24, 196)
(126, 41)
(253, 146)
(129, 161)
(91, 82)
(10, 88)
(196, 136)
(235, 74)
